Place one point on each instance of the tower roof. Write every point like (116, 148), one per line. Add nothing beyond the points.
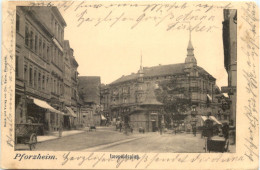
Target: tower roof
(190, 59)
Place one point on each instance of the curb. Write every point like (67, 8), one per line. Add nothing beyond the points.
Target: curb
(59, 138)
(102, 146)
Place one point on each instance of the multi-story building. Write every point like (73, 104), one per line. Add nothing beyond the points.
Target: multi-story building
(105, 101)
(132, 97)
(89, 91)
(70, 117)
(230, 58)
(40, 66)
(75, 100)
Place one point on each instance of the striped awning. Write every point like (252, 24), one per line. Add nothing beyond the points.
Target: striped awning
(71, 112)
(45, 105)
(103, 117)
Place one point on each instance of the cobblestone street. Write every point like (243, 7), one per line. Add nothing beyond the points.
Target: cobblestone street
(106, 139)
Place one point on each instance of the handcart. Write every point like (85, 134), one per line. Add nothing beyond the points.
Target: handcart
(26, 133)
(217, 144)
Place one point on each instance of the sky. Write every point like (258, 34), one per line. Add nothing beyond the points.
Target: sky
(110, 52)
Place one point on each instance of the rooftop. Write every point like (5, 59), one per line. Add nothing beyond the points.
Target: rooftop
(161, 70)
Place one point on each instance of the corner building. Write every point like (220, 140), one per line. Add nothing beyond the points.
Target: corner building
(39, 85)
(132, 97)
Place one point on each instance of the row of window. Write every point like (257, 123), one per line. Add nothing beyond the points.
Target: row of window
(39, 45)
(41, 80)
(57, 29)
(138, 98)
(35, 77)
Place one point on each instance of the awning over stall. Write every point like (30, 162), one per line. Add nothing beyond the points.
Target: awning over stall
(71, 112)
(209, 97)
(204, 118)
(45, 105)
(103, 117)
(214, 119)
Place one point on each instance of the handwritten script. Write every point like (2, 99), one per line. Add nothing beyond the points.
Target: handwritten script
(146, 160)
(250, 50)
(172, 16)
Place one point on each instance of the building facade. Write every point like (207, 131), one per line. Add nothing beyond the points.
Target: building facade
(132, 98)
(230, 58)
(40, 67)
(89, 92)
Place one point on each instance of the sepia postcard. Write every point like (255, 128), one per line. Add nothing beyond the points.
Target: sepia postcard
(130, 85)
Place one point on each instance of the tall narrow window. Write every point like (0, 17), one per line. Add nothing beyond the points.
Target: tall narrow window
(17, 23)
(43, 82)
(17, 66)
(48, 53)
(51, 85)
(26, 35)
(31, 40)
(47, 84)
(35, 78)
(39, 80)
(25, 73)
(43, 49)
(30, 76)
(54, 86)
(40, 46)
(36, 43)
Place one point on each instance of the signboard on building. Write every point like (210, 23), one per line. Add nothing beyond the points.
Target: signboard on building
(228, 89)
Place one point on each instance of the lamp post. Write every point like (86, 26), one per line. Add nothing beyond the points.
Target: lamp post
(194, 120)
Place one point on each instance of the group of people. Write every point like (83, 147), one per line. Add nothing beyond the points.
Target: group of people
(121, 125)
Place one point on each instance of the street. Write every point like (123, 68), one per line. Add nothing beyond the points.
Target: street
(106, 139)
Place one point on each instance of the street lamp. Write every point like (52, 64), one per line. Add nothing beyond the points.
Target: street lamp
(194, 120)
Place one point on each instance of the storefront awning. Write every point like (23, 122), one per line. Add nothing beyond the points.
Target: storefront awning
(71, 112)
(103, 117)
(209, 97)
(204, 118)
(214, 119)
(225, 94)
(45, 105)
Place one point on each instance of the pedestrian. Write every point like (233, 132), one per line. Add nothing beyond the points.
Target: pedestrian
(60, 129)
(225, 131)
(194, 130)
(120, 126)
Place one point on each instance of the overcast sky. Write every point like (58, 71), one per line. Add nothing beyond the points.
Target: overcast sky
(110, 52)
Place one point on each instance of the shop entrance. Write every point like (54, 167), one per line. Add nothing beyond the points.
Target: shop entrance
(154, 128)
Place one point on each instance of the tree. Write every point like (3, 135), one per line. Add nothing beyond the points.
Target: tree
(175, 101)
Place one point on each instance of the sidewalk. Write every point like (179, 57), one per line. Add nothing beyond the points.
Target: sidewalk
(55, 135)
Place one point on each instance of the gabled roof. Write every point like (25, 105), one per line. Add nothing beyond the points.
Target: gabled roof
(161, 70)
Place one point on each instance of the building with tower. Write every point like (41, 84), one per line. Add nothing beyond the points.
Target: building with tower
(132, 97)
